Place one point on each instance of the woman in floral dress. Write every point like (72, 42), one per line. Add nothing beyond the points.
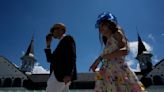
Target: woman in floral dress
(114, 75)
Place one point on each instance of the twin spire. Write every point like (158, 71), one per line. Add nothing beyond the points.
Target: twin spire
(28, 59)
(30, 50)
(141, 46)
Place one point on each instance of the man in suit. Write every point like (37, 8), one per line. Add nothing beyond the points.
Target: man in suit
(62, 60)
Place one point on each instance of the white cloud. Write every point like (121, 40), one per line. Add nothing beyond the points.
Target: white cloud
(162, 34)
(134, 47)
(132, 62)
(155, 59)
(137, 69)
(133, 53)
(39, 69)
(23, 52)
(150, 36)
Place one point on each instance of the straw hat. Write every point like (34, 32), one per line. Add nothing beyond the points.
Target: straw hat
(58, 26)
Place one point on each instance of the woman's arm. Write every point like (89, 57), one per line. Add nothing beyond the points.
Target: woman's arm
(95, 64)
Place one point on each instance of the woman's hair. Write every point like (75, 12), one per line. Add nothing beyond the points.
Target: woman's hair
(102, 39)
(111, 25)
(114, 28)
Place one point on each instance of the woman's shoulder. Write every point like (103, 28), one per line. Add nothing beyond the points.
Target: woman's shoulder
(118, 35)
(121, 39)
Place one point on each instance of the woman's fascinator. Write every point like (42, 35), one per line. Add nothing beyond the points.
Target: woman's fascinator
(105, 16)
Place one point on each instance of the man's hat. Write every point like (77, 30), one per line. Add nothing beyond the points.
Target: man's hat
(58, 26)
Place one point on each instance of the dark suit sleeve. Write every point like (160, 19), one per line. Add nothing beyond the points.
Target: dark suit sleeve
(48, 55)
(70, 56)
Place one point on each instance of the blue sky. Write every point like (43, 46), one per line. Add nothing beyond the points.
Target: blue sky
(20, 19)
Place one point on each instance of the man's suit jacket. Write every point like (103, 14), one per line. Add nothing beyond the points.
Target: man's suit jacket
(63, 59)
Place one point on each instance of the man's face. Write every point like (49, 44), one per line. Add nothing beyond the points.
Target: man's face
(57, 33)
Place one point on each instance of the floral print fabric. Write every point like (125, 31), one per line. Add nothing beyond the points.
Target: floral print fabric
(115, 75)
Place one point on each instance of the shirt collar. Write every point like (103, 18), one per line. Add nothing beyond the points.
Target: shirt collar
(62, 36)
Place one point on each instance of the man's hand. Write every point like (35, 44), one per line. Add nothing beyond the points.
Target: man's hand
(48, 40)
(67, 79)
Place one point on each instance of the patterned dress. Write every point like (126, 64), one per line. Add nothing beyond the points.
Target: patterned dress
(115, 75)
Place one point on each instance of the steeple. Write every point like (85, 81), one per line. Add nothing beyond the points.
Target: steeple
(144, 57)
(141, 46)
(28, 59)
(30, 50)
